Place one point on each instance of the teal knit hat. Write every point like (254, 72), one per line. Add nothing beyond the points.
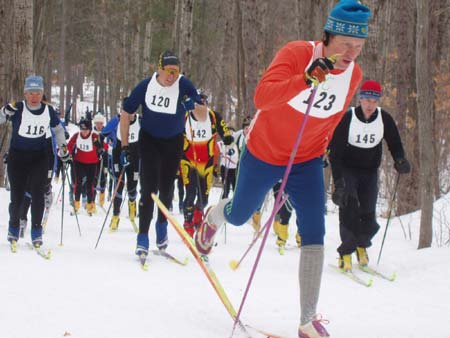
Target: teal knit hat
(350, 18)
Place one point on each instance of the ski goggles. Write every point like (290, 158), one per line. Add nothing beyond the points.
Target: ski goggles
(171, 71)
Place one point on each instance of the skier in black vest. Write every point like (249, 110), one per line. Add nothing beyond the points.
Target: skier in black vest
(356, 150)
(28, 155)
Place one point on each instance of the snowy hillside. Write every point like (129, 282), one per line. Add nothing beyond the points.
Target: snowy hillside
(87, 293)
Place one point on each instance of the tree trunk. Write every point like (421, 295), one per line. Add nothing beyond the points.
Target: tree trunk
(176, 27)
(249, 10)
(186, 31)
(424, 85)
(62, 55)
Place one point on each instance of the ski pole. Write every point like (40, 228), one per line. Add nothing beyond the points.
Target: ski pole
(389, 217)
(62, 207)
(110, 204)
(277, 201)
(76, 215)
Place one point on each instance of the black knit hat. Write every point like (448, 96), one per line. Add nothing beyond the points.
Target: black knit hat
(85, 124)
(168, 58)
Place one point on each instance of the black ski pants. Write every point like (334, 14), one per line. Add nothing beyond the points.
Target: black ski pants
(27, 167)
(160, 159)
(357, 220)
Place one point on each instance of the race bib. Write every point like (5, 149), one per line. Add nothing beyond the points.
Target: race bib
(34, 126)
(85, 144)
(198, 131)
(161, 99)
(365, 135)
(330, 95)
(133, 132)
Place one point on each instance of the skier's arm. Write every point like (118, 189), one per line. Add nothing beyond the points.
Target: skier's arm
(392, 137)
(222, 129)
(284, 78)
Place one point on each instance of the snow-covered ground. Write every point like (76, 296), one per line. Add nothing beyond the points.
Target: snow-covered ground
(84, 292)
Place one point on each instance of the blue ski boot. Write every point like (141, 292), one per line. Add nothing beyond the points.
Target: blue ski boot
(36, 236)
(13, 233)
(161, 235)
(142, 244)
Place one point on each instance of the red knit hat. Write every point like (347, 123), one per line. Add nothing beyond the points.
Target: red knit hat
(370, 90)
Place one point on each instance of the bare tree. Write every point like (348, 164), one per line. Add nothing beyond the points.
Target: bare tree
(186, 35)
(424, 85)
(62, 55)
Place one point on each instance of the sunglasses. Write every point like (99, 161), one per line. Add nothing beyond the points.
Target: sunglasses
(171, 71)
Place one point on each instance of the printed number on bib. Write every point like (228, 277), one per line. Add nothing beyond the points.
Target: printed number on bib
(323, 101)
(160, 101)
(200, 133)
(365, 139)
(35, 130)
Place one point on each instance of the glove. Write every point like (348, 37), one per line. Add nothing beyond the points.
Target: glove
(188, 103)
(402, 166)
(64, 154)
(125, 156)
(318, 70)
(66, 134)
(230, 152)
(340, 196)
(227, 140)
(100, 152)
(9, 110)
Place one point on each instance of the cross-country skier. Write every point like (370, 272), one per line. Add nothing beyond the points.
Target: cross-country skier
(229, 158)
(356, 150)
(28, 154)
(99, 122)
(282, 98)
(86, 148)
(197, 163)
(131, 174)
(164, 97)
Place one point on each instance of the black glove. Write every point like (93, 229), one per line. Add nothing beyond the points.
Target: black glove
(66, 134)
(340, 196)
(227, 140)
(9, 109)
(125, 157)
(318, 70)
(402, 166)
(188, 103)
(64, 154)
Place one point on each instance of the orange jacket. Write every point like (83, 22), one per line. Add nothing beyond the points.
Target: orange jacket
(276, 125)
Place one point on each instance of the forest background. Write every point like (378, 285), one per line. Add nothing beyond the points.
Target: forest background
(225, 46)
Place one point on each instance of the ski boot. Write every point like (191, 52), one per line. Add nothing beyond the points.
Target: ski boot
(256, 221)
(36, 236)
(189, 228)
(114, 225)
(313, 329)
(101, 199)
(204, 237)
(282, 235)
(132, 210)
(361, 255)
(76, 206)
(142, 245)
(345, 263)
(90, 208)
(197, 218)
(162, 240)
(298, 239)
